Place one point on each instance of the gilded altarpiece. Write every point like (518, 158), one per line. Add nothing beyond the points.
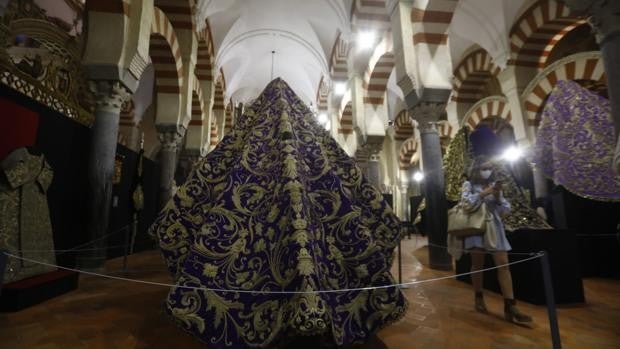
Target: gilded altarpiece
(41, 60)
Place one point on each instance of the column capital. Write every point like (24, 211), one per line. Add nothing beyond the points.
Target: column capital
(428, 114)
(169, 136)
(604, 16)
(109, 94)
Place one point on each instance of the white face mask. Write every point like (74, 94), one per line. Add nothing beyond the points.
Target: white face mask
(486, 174)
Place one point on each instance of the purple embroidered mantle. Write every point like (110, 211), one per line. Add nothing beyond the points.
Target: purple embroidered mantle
(575, 143)
(279, 206)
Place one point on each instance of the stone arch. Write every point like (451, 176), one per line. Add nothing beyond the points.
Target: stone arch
(403, 126)
(180, 12)
(487, 107)
(444, 129)
(431, 20)
(408, 154)
(472, 75)
(166, 57)
(580, 66)
(346, 119)
(214, 134)
(228, 121)
(378, 76)
(322, 94)
(369, 14)
(537, 30)
(205, 54)
(338, 62)
(218, 99)
(198, 103)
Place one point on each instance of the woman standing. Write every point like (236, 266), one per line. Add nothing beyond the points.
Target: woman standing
(481, 188)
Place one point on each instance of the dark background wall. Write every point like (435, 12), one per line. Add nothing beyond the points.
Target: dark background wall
(65, 144)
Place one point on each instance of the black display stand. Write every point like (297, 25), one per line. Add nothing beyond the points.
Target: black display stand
(24, 293)
(526, 277)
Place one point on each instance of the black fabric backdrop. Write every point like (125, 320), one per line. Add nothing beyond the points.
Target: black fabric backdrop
(65, 144)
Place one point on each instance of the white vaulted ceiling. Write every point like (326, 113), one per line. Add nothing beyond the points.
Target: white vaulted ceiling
(302, 32)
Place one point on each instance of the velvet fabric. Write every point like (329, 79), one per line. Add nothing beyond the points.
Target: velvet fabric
(575, 143)
(279, 206)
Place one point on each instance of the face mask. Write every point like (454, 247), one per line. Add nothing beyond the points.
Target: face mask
(486, 174)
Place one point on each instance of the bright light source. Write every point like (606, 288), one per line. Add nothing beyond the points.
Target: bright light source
(340, 88)
(322, 119)
(328, 126)
(512, 154)
(418, 176)
(366, 39)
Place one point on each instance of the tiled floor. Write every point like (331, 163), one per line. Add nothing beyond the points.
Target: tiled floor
(114, 314)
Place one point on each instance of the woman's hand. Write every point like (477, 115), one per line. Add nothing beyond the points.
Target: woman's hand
(487, 191)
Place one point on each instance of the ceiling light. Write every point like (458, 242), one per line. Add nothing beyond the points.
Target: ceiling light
(366, 39)
(512, 154)
(340, 88)
(418, 176)
(322, 119)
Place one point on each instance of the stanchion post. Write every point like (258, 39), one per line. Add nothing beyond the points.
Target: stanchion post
(400, 262)
(551, 310)
(3, 259)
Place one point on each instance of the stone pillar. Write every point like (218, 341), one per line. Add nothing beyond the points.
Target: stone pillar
(605, 19)
(404, 202)
(170, 137)
(374, 170)
(186, 163)
(426, 114)
(109, 96)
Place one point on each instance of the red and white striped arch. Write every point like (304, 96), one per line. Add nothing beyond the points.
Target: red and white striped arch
(165, 55)
(338, 60)
(537, 30)
(128, 115)
(179, 12)
(346, 120)
(198, 104)
(370, 14)
(213, 134)
(431, 20)
(228, 120)
(204, 59)
(444, 128)
(322, 95)
(377, 78)
(471, 76)
(487, 107)
(362, 155)
(580, 66)
(218, 98)
(403, 126)
(408, 154)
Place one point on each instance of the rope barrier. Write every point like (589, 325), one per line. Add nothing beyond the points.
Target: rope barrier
(399, 285)
(76, 248)
(485, 251)
(87, 249)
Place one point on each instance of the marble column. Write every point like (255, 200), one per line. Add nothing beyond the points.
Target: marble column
(170, 137)
(404, 202)
(426, 114)
(605, 19)
(186, 163)
(109, 96)
(374, 170)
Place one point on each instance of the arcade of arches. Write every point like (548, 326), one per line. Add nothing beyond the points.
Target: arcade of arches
(123, 98)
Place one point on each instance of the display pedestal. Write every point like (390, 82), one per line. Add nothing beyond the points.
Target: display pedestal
(24, 293)
(527, 277)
